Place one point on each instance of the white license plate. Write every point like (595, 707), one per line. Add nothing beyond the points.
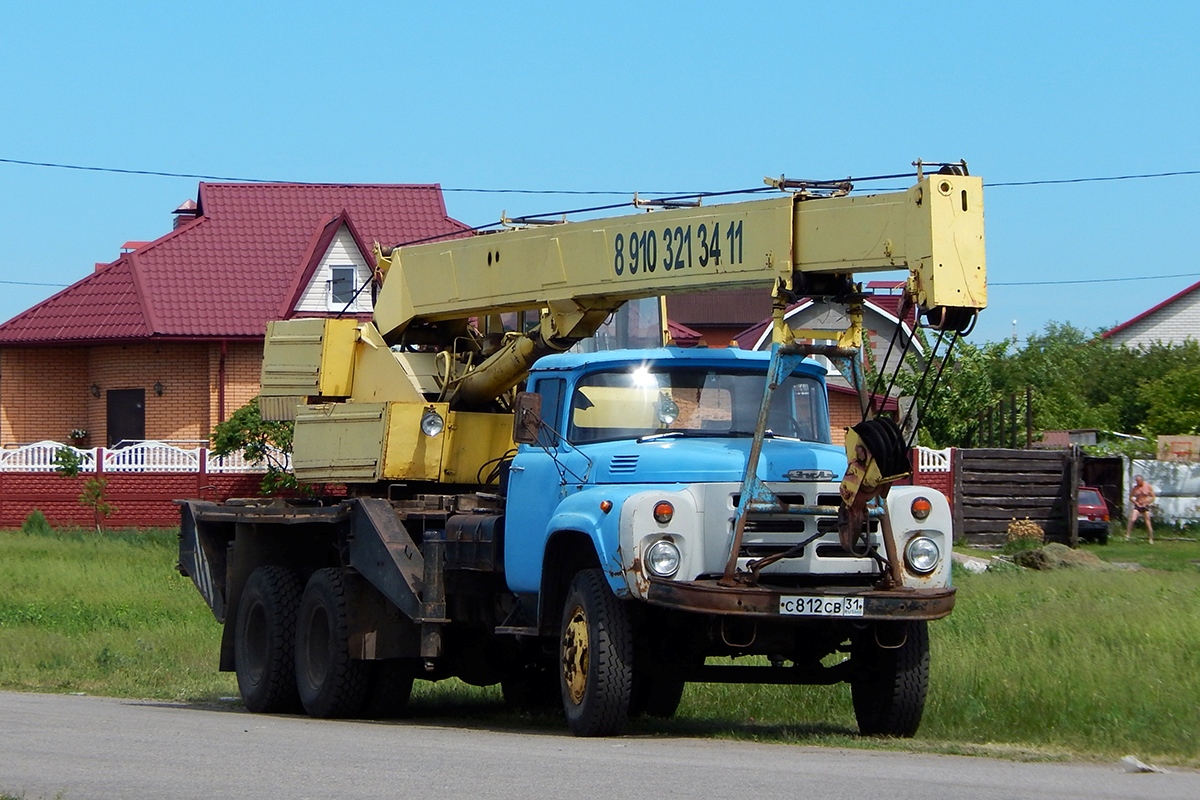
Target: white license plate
(801, 606)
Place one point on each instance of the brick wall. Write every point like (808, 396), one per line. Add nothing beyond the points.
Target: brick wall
(45, 392)
(844, 412)
(180, 414)
(243, 365)
(140, 500)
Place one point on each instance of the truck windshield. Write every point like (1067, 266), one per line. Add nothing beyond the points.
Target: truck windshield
(652, 399)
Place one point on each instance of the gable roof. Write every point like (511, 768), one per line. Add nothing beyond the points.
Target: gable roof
(1148, 312)
(239, 264)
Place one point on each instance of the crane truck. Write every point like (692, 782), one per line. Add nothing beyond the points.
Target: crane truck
(597, 529)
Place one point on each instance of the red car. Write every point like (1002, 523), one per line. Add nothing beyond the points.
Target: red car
(1093, 515)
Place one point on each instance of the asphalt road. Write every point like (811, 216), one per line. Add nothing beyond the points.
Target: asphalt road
(91, 748)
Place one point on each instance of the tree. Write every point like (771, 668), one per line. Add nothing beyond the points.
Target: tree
(68, 464)
(259, 442)
(1077, 380)
(1172, 402)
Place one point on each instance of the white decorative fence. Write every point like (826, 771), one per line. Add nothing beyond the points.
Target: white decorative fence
(933, 460)
(147, 456)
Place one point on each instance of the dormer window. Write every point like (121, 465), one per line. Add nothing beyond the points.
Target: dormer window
(341, 285)
(340, 281)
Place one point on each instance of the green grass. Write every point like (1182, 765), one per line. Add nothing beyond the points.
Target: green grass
(104, 614)
(1064, 664)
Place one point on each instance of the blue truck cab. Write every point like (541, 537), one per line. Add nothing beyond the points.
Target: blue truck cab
(643, 454)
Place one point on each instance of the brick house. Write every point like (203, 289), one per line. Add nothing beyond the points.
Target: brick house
(166, 341)
(1171, 322)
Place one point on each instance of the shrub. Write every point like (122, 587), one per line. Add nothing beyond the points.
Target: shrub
(35, 524)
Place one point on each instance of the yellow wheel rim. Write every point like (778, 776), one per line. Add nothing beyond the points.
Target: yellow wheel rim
(574, 655)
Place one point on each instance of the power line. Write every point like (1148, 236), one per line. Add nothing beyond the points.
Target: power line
(32, 283)
(1049, 182)
(1096, 280)
(577, 192)
(227, 178)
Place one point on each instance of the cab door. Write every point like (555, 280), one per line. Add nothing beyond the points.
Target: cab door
(535, 488)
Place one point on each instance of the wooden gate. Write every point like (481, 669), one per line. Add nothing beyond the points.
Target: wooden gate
(993, 487)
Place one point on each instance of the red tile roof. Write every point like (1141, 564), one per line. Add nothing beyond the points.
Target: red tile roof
(242, 262)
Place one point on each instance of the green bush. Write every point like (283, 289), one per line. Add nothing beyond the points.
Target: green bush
(35, 524)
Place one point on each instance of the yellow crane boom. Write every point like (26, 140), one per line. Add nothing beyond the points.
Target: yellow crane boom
(582, 271)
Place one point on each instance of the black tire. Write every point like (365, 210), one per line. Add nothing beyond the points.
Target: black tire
(596, 657)
(331, 683)
(891, 678)
(264, 641)
(389, 688)
(656, 696)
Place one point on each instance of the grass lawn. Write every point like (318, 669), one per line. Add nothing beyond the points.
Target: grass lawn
(1063, 664)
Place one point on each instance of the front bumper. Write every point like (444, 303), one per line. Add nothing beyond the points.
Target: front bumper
(707, 597)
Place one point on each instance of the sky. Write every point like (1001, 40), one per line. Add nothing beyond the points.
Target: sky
(622, 97)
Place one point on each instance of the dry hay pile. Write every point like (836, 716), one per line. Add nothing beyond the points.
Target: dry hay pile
(1025, 530)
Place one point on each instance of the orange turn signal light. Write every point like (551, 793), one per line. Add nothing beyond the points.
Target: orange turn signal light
(606, 506)
(921, 508)
(663, 511)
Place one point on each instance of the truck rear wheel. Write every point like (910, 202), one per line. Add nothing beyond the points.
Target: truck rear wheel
(264, 640)
(596, 657)
(891, 679)
(331, 683)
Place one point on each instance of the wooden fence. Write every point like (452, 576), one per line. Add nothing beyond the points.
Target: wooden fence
(993, 487)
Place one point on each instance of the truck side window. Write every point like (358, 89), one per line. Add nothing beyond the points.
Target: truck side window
(551, 390)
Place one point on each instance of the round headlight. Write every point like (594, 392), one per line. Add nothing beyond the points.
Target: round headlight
(663, 512)
(662, 558)
(922, 554)
(432, 423)
(921, 507)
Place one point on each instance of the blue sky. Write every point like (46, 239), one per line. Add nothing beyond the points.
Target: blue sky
(620, 96)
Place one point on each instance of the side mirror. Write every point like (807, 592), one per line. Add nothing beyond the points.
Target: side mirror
(527, 418)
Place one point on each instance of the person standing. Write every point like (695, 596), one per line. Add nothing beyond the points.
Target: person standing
(1142, 496)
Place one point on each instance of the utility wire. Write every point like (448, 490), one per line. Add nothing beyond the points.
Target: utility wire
(32, 283)
(1049, 182)
(227, 178)
(1094, 280)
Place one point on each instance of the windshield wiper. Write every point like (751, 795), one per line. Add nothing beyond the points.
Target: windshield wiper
(665, 434)
(696, 434)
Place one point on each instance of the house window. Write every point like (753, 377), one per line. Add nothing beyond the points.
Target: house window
(341, 286)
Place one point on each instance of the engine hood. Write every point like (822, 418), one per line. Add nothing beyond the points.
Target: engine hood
(705, 460)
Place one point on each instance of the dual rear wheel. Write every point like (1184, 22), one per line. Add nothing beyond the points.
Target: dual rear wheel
(291, 650)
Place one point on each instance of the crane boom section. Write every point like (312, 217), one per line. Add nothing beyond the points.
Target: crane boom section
(934, 230)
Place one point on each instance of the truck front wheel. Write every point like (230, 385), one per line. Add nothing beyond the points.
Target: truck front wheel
(596, 657)
(891, 678)
(264, 640)
(331, 684)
